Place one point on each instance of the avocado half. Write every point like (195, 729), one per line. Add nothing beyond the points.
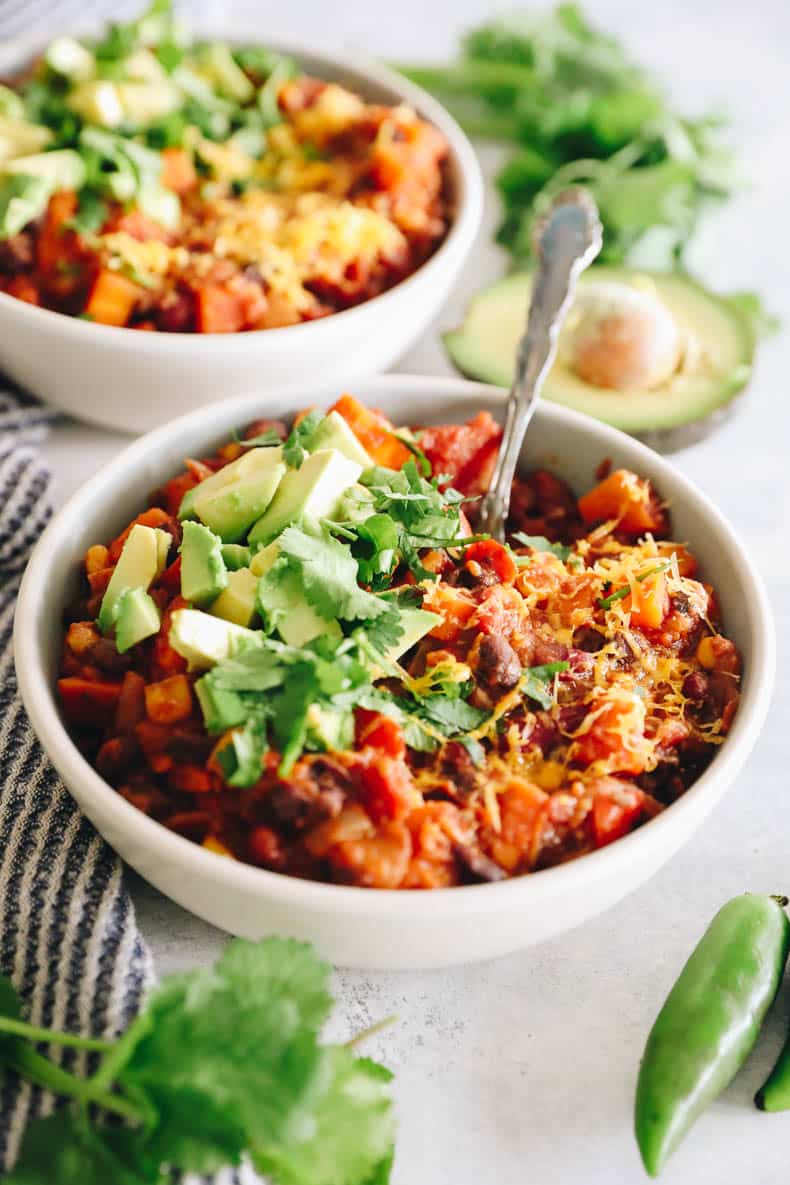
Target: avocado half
(715, 362)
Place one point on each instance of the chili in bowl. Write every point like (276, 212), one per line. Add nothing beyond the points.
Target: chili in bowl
(322, 674)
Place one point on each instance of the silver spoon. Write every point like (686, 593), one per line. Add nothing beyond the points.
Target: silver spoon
(566, 239)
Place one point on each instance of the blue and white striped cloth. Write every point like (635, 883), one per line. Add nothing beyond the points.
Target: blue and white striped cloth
(68, 937)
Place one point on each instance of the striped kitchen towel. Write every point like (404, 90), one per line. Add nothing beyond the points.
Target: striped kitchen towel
(68, 937)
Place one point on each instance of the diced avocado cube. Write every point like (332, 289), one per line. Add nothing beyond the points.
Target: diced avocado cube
(62, 169)
(356, 505)
(215, 62)
(21, 137)
(235, 555)
(335, 432)
(22, 199)
(312, 491)
(68, 57)
(204, 640)
(231, 500)
(143, 559)
(416, 624)
(187, 507)
(222, 708)
(98, 102)
(330, 728)
(285, 610)
(264, 559)
(136, 618)
(11, 105)
(238, 601)
(203, 571)
(160, 204)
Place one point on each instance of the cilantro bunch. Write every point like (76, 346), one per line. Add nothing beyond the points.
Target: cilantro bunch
(577, 109)
(224, 1063)
(411, 513)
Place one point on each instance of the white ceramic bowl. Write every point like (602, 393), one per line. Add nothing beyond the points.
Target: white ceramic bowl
(134, 381)
(378, 928)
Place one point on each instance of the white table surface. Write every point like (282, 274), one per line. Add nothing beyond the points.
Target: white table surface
(522, 1071)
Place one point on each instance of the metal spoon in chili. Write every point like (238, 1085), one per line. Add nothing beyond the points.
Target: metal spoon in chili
(566, 239)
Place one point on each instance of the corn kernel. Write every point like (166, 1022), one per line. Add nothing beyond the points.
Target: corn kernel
(706, 654)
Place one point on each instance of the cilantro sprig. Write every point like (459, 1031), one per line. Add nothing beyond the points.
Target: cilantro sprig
(224, 1062)
(541, 543)
(410, 514)
(535, 680)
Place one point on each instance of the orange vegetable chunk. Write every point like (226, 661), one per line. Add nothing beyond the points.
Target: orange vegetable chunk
(628, 499)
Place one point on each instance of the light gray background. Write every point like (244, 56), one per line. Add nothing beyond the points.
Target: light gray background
(522, 1071)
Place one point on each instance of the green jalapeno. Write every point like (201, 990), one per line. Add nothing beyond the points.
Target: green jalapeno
(710, 1021)
(774, 1094)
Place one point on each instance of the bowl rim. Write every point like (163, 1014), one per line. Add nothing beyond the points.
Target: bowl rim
(463, 226)
(40, 702)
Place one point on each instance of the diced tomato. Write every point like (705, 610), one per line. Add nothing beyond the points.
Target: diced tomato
(379, 732)
(455, 606)
(490, 554)
(374, 432)
(171, 577)
(502, 611)
(88, 701)
(615, 739)
(99, 580)
(628, 499)
(165, 660)
(522, 809)
(178, 172)
(173, 491)
(617, 807)
(138, 225)
(388, 791)
(458, 451)
(51, 244)
(155, 517)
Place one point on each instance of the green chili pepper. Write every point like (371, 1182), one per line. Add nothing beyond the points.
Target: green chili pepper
(774, 1094)
(709, 1022)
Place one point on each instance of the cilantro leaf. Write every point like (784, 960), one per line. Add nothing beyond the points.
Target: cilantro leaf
(534, 680)
(295, 448)
(451, 715)
(263, 440)
(541, 543)
(242, 758)
(328, 572)
(236, 1042)
(91, 213)
(67, 1149)
(351, 1127)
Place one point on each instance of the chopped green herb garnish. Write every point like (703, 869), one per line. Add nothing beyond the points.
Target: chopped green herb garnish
(535, 679)
(541, 543)
(295, 449)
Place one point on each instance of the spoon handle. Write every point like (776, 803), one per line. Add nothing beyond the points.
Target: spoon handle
(566, 239)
